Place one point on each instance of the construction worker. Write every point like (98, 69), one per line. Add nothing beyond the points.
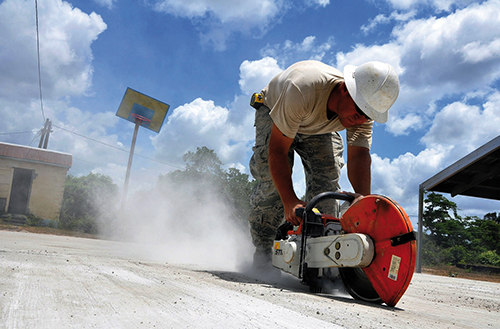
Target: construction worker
(302, 110)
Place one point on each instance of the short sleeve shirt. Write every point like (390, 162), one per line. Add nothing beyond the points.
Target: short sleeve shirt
(298, 100)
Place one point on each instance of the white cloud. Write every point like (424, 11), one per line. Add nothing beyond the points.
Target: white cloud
(435, 50)
(204, 115)
(225, 10)
(255, 75)
(202, 123)
(106, 3)
(227, 130)
(289, 52)
(476, 51)
(404, 125)
(440, 5)
(66, 34)
(437, 57)
(321, 3)
(465, 126)
(388, 53)
(385, 19)
(220, 18)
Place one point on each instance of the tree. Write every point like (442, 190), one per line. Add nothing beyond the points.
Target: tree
(238, 189)
(85, 199)
(453, 239)
(204, 176)
(485, 235)
(441, 218)
(204, 161)
(492, 216)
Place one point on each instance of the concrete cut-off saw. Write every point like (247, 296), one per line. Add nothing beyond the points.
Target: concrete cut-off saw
(372, 248)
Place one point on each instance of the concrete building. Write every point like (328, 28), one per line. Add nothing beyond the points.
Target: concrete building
(32, 180)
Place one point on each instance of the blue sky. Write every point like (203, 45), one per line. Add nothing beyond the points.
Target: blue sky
(206, 57)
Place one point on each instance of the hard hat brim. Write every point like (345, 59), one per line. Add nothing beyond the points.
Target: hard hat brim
(350, 83)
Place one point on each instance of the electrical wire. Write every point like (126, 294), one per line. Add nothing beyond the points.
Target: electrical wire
(17, 133)
(38, 59)
(116, 147)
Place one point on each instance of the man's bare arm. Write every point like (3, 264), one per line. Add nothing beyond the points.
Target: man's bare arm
(359, 169)
(279, 145)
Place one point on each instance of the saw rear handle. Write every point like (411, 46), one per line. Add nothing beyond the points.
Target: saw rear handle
(320, 197)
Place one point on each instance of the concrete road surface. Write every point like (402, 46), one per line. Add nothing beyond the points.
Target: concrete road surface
(51, 281)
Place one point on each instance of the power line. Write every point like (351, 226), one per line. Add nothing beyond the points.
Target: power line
(38, 59)
(116, 147)
(17, 133)
(89, 138)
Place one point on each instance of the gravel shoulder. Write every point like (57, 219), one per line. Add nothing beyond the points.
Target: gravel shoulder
(49, 281)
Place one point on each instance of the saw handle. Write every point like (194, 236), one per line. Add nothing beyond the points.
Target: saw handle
(320, 197)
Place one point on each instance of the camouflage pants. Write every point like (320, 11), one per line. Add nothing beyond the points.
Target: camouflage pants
(321, 157)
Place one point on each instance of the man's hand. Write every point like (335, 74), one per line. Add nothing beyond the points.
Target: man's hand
(290, 212)
(356, 196)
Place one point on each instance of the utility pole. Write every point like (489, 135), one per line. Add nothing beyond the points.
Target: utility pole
(46, 130)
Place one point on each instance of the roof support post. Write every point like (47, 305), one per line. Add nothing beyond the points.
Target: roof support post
(420, 228)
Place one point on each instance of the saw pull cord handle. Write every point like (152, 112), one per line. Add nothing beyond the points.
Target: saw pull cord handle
(304, 213)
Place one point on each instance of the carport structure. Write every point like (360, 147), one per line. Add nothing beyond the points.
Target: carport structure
(477, 174)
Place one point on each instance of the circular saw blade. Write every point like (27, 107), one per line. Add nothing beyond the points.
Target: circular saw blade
(358, 286)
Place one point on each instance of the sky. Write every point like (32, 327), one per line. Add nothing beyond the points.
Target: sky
(206, 57)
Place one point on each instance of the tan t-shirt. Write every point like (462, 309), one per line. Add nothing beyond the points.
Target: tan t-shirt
(298, 100)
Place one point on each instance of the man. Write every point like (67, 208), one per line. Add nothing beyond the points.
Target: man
(302, 110)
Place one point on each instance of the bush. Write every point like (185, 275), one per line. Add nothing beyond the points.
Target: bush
(489, 257)
(455, 255)
(86, 200)
(32, 220)
(85, 224)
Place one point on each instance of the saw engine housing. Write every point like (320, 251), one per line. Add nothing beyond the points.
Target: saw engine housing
(372, 248)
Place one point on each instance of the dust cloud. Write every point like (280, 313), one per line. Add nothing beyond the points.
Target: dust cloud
(188, 225)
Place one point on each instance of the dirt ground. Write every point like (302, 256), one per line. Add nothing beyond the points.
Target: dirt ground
(49, 281)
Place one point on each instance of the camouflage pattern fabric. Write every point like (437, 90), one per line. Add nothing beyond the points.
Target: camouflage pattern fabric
(321, 157)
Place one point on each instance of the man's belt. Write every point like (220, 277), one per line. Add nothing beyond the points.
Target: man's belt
(257, 101)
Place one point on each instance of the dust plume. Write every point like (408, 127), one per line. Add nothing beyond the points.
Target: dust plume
(186, 224)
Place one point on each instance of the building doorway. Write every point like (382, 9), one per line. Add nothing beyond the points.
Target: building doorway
(22, 181)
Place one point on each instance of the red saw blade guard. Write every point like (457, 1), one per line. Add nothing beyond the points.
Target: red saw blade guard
(390, 228)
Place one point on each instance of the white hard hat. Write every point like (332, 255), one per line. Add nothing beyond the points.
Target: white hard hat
(374, 87)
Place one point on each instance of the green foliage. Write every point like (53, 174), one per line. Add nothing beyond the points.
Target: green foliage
(437, 213)
(493, 216)
(85, 200)
(489, 257)
(32, 220)
(453, 240)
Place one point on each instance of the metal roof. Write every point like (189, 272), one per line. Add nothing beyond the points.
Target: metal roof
(477, 174)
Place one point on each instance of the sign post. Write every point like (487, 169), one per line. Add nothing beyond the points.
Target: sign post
(144, 111)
